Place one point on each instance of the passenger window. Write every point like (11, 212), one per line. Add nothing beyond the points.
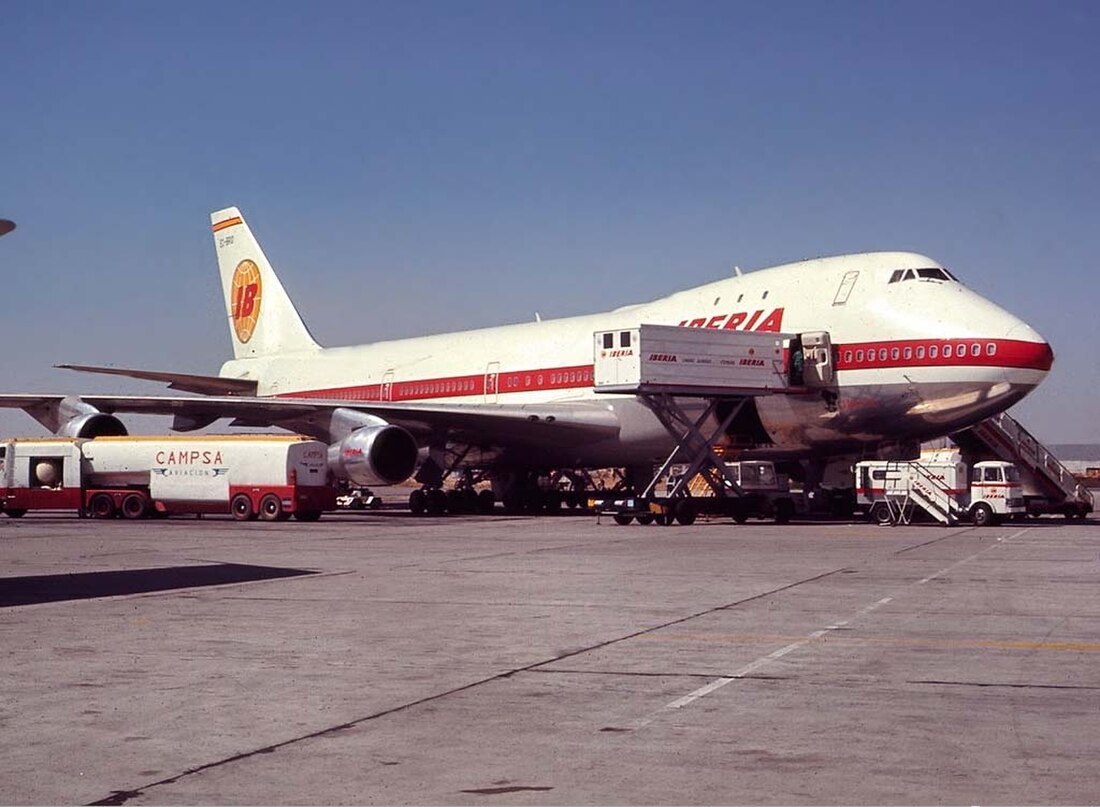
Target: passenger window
(895, 354)
(608, 341)
(624, 339)
(908, 353)
(975, 350)
(920, 351)
(933, 352)
(947, 351)
(859, 355)
(882, 354)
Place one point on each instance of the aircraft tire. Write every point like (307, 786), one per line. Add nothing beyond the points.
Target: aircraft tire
(485, 502)
(418, 502)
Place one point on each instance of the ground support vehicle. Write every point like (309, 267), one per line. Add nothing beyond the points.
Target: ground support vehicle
(1049, 486)
(939, 485)
(696, 381)
(271, 477)
(358, 499)
(766, 493)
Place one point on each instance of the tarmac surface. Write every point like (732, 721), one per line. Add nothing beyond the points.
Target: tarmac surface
(492, 660)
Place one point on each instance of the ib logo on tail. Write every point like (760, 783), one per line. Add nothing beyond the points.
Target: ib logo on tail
(246, 295)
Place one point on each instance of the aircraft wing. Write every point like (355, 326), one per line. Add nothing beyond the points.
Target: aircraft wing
(202, 384)
(501, 425)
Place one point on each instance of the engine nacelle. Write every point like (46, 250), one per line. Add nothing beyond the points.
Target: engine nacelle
(93, 424)
(382, 454)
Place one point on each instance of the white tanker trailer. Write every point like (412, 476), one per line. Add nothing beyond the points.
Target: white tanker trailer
(266, 476)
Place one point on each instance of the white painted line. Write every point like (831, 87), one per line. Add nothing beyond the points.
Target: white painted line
(751, 667)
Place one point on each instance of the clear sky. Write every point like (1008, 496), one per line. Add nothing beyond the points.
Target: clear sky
(417, 167)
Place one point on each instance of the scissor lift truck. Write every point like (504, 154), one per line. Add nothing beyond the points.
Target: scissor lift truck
(686, 376)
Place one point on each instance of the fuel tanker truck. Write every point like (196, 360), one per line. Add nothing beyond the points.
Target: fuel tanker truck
(271, 477)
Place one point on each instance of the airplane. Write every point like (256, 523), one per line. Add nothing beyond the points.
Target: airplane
(914, 354)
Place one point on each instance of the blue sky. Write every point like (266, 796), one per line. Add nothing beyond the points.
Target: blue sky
(421, 167)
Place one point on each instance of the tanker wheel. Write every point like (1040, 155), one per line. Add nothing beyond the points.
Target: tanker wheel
(102, 506)
(685, 514)
(418, 502)
(241, 507)
(622, 519)
(645, 518)
(271, 508)
(135, 505)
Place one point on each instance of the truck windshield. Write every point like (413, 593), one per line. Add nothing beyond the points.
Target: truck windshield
(1012, 474)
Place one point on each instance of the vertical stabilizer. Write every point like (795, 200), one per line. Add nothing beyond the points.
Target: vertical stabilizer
(262, 319)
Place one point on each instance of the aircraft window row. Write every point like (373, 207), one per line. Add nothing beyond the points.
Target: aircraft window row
(920, 352)
(438, 387)
(931, 273)
(570, 377)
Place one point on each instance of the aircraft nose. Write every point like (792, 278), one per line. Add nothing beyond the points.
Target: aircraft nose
(1028, 349)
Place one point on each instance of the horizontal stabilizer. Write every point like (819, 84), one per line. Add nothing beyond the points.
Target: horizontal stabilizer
(202, 384)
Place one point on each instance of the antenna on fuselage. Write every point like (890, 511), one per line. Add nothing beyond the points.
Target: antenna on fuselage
(737, 270)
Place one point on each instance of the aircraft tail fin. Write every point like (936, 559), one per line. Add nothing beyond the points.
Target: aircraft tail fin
(262, 319)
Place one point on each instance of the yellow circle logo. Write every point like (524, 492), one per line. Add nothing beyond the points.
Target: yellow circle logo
(245, 294)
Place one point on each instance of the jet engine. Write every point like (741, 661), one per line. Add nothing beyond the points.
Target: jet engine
(72, 417)
(93, 424)
(381, 454)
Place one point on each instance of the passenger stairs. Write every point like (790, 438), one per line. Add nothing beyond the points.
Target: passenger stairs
(911, 485)
(1049, 486)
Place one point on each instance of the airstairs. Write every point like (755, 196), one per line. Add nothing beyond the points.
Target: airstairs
(910, 485)
(1049, 486)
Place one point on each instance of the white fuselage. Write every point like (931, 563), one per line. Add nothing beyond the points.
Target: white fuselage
(915, 357)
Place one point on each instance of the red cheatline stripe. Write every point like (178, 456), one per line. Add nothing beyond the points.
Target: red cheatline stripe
(221, 225)
(1006, 353)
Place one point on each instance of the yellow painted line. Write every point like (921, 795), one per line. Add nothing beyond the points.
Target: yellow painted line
(833, 638)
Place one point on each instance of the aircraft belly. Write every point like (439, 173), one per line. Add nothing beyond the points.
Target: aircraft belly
(883, 412)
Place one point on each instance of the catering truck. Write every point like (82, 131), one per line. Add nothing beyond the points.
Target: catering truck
(271, 477)
(940, 485)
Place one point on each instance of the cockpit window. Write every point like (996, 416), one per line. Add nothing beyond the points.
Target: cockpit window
(935, 273)
(931, 273)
